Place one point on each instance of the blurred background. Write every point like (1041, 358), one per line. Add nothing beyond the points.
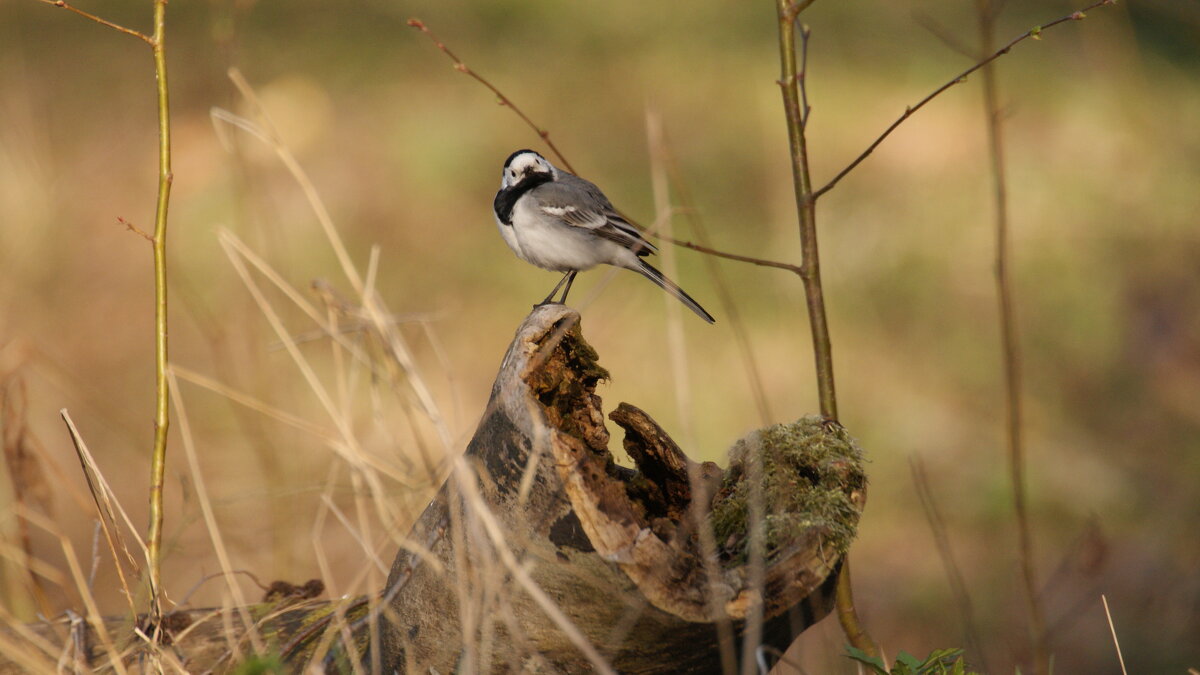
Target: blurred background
(1103, 151)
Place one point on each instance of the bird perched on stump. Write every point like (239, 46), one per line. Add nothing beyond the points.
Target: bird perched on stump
(560, 222)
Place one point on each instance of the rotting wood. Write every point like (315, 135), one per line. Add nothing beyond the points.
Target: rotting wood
(616, 548)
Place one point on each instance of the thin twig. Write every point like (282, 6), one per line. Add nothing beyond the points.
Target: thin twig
(1034, 32)
(135, 229)
(734, 256)
(104, 22)
(500, 97)
(1116, 642)
(1010, 345)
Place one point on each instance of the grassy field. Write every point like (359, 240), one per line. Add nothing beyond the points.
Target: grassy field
(1103, 160)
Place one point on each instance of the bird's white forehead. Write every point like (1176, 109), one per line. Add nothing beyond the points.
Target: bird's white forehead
(527, 160)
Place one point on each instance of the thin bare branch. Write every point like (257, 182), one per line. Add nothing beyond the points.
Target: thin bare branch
(1034, 33)
(104, 22)
(1009, 343)
(135, 229)
(734, 256)
(500, 97)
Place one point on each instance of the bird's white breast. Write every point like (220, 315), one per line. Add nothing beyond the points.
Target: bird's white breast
(553, 245)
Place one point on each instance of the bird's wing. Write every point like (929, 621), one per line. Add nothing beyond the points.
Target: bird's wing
(576, 202)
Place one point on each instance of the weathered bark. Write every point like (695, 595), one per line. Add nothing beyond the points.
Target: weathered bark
(617, 550)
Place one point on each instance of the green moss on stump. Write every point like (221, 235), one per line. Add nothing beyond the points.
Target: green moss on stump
(812, 482)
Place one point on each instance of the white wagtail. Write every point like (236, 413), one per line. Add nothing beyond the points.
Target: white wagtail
(561, 222)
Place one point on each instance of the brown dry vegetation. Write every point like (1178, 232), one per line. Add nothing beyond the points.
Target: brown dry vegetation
(1102, 150)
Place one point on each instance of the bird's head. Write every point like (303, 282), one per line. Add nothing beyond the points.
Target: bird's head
(523, 165)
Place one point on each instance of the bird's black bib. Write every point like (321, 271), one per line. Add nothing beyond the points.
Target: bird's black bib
(507, 198)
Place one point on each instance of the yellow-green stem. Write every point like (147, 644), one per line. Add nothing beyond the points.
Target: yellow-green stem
(162, 400)
(810, 273)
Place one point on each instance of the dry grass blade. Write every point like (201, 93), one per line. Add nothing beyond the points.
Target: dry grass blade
(268, 134)
(28, 639)
(252, 403)
(32, 564)
(676, 347)
(349, 449)
(104, 499)
(26, 477)
(115, 658)
(340, 627)
(359, 537)
(210, 521)
(327, 329)
(1113, 630)
(660, 160)
(729, 306)
(371, 304)
(958, 586)
(19, 653)
(465, 479)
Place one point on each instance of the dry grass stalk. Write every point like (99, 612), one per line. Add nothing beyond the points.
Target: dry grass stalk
(210, 521)
(27, 479)
(107, 506)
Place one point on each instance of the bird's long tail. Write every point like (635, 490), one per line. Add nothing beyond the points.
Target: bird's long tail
(669, 286)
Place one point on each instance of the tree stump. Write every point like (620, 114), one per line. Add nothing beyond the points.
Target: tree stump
(673, 567)
(540, 553)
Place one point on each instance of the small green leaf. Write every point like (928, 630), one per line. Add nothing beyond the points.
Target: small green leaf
(859, 655)
(942, 657)
(906, 659)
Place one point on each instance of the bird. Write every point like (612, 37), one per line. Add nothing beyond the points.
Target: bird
(558, 221)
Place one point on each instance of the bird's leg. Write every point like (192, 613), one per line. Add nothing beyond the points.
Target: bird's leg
(570, 279)
(550, 298)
